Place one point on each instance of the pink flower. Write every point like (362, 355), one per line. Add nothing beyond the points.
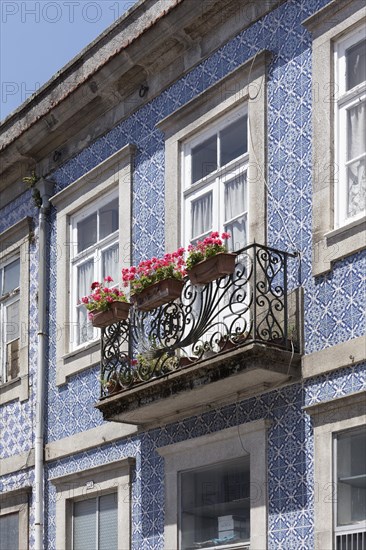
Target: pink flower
(108, 279)
(85, 300)
(95, 285)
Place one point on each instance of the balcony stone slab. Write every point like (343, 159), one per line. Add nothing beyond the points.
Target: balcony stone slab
(202, 386)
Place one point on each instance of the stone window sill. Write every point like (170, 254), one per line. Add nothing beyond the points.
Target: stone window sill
(77, 361)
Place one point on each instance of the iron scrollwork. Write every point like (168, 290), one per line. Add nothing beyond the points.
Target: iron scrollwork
(248, 306)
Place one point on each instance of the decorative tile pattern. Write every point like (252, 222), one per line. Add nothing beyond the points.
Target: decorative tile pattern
(334, 303)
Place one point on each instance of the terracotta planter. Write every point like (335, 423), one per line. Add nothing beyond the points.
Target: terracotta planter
(158, 294)
(112, 386)
(213, 268)
(117, 312)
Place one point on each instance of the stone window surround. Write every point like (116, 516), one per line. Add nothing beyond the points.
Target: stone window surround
(104, 479)
(16, 240)
(329, 243)
(17, 501)
(115, 171)
(329, 418)
(246, 84)
(209, 449)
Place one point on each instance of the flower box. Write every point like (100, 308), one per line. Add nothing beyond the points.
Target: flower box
(159, 293)
(117, 312)
(213, 268)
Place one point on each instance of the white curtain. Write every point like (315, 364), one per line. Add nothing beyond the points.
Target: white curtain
(201, 215)
(235, 207)
(110, 263)
(85, 279)
(357, 169)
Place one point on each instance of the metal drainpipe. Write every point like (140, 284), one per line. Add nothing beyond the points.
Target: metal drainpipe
(46, 190)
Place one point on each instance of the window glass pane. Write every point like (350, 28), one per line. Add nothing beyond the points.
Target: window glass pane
(87, 232)
(356, 149)
(351, 478)
(238, 232)
(356, 64)
(11, 276)
(204, 158)
(356, 176)
(110, 264)
(12, 321)
(108, 219)
(85, 275)
(84, 532)
(215, 504)
(201, 215)
(12, 360)
(9, 532)
(233, 140)
(85, 278)
(85, 331)
(108, 533)
(235, 197)
(356, 130)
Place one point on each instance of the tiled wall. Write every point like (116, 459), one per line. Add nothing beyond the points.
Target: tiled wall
(333, 303)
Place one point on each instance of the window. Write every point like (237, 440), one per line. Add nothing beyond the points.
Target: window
(350, 64)
(93, 507)
(215, 180)
(95, 523)
(14, 298)
(338, 121)
(210, 498)
(212, 161)
(96, 255)
(350, 478)
(14, 519)
(93, 230)
(9, 319)
(215, 504)
(339, 472)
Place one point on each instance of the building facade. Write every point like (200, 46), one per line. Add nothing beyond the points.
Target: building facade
(238, 116)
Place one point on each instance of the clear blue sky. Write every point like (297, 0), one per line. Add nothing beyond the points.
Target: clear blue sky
(37, 38)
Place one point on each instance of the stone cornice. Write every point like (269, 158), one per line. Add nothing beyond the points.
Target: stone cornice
(101, 87)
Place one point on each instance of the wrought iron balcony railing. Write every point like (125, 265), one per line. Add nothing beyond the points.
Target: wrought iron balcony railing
(250, 306)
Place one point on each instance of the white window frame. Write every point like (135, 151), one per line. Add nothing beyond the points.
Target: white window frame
(113, 175)
(329, 418)
(211, 449)
(14, 243)
(329, 26)
(215, 181)
(6, 301)
(77, 259)
(344, 101)
(114, 477)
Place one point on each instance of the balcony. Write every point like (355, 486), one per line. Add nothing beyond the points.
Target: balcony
(235, 337)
